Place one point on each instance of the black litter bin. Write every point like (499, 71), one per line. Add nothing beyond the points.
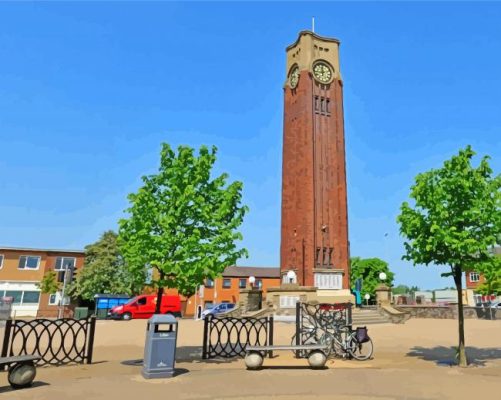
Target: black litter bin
(160, 347)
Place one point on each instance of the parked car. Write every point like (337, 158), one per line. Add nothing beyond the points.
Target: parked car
(218, 309)
(495, 304)
(143, 307)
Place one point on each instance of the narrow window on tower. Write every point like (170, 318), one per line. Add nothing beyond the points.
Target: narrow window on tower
(317, 106)
(328, 107)
(322, 106)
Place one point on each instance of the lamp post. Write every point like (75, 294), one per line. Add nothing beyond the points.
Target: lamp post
(367, 296)
(291, 277)
(252, 279)
(382, 276)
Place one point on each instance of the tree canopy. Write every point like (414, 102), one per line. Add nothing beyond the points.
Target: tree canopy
(183, 223)
(369, 269)
(104, 271)
(455, 218)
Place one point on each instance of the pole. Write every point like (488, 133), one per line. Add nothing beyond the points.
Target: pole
(61, 303)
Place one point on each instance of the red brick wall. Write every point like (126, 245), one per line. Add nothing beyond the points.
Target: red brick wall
(313, 180)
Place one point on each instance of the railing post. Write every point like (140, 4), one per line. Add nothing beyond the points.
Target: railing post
(348, 315)
(204, 343)
(270, 335)
(6, 340)
(298, 330)
(90, 344)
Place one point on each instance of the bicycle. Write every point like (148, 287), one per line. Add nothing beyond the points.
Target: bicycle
(343, 342)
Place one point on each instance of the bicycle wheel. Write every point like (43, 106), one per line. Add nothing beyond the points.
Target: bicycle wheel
(360, 351)
(329, 340)
(307, 338)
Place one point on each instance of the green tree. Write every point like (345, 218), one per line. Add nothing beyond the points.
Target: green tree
(104, 271)
(455, 218)
(182, 223)
(369, 269)
(49, 283)
(400, 289)
(413, 289)
(491, 271)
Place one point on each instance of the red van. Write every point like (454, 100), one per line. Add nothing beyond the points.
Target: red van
(143, 306)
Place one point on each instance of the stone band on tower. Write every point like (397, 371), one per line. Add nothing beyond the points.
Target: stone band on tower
(314, 231)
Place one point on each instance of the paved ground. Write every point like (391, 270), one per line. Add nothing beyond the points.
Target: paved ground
(408, 364)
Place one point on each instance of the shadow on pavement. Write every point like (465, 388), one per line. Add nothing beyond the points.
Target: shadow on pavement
(7, 389)
(188, 354)
(442, 355)
(291, 367)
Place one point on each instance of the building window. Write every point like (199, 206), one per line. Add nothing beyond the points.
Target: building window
(474, 277)
(53, 300)
(63, 263)
(226, 283)
(31, 297)
(322, 105)
(29, 262)
(209, 283)
(17, 295)
(259, 283)
(1, 261)
(242, 283)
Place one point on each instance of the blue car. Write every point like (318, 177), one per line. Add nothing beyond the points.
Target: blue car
(218, 309)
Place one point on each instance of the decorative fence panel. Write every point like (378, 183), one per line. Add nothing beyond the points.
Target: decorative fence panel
(227, 337)
(314, 320)
(58, 342)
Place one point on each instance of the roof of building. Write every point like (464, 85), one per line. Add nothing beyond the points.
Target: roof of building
(44, 250)
(258, 272)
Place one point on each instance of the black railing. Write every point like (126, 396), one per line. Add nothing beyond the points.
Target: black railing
(228, 337)
(58, 342)
(314, 320)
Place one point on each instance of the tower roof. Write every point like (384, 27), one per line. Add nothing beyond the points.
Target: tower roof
(310, 33)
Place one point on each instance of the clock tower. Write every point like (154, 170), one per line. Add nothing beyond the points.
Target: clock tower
(314, 228)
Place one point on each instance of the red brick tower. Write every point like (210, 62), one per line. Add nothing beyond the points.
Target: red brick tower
(314, 237)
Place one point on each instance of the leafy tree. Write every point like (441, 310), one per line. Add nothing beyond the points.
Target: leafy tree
(491, 271)
(400, 289)
(49, 283)
(413, 289)
(182, 223)
(455, 218)
(369, 269)
(104, 271)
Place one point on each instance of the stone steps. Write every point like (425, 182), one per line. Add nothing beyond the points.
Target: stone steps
(367, 317)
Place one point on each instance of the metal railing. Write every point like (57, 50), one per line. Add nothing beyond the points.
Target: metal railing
(228, 336)
(58, 342)
(314, 320)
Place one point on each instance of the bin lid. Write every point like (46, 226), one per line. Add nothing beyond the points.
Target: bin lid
(162, 319)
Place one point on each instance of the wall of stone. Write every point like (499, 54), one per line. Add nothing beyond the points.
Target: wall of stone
(447, 312)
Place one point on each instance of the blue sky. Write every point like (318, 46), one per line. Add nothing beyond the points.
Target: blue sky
(89, 91)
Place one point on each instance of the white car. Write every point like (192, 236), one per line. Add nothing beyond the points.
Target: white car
(495, 304)
(218, 309)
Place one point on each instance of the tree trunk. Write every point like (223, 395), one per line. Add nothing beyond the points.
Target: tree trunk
(459, 287)
(160, 293)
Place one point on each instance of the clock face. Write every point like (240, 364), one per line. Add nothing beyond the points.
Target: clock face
(322, 72)
(294, 77)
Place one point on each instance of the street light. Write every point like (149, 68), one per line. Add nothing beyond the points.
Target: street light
(367, 296)
(382, 276)
(252, 279)
(291, 276)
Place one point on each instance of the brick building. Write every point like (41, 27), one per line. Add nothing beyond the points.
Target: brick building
(22, 268)
(226, 288)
